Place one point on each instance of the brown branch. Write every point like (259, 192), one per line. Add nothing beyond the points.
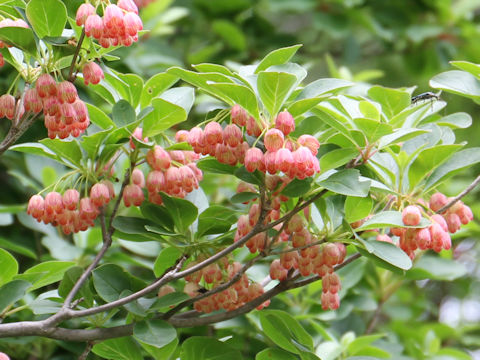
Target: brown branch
(72, 77)
(461, 195)
(87, 350)
(15, 132)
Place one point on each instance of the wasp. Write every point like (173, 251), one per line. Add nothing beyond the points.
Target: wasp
(425, 96)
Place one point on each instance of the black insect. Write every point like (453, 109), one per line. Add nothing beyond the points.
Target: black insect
(425, 96)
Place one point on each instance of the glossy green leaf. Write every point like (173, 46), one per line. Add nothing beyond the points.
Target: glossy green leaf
(9, 266)
(458, 162)
(214, 166)
(166, 259)
(134, 226)
(399, 135)
(124, 348)
(67, 150)
(243, 197)
(277, 57)
(109, 281)
(336, 158)
(19, 37)
(457, 82)
(48, 17)
(156, 85)
(392, 100)
(11, 292)
(357, 208)
(157, 333)
(274, 88)
(206, 348)
(35, 149)
(323, 86)
(373, 129)
(162, 353)
(434, 267)
(91, 143)
(389, 219)
(158, 214)
(300, 107)
(136, 86)
(297, 187)
(428, 160)
(275, 353)
(45, 273)
(216, 219)
(346, 182)
(99, 118)
(279, 332)
(255, 178)
(238, 94)
(182, 211)
(170, 109)
(389, 253)
(369, 110)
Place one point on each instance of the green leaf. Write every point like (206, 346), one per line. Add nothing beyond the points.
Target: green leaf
(170, 109)
(238, 94)
(70, 277)
(134, 226)
(389, 253)
(346, 182)
(231, 34)
(243, 197)
(389, 219)
(158, 214)
(457, 82)
(437, 268)
(17, 248)
(215, 219)
(206, 348)
(214, 166)
(456, 120)
(45, 273)
(124, 348)
(336, 158)
(274, 88)
(35, 149)
(362, 341)
(182, 211)
(275, 354)
(369, 110)
(19, 37)
(160, 354)
(166, 259)
(323, 86)
(300, 107)
(392, 100)
(472, 68)
(400, 135)
(297, 187)
(12, 292)
(357, 208)
(48, 17)
(67, 150)
(277, 57)
(156, 85)
(428, 160)
(458, 162)
(255, 178)
(9, 266)
(91, 143)
(157, 333)
(372, 129)
(136, 86)
(99, 118)
(109, 281)
(123, 113)
(214, 68)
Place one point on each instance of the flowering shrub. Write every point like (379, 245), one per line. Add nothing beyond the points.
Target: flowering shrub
(324, 178)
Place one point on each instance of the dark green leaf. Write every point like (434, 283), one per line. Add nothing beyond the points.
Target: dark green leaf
(255, 178)
(133, 226)
(213, 166)
(243, 197)
(46, 273)
(11, 292)
(158, 214)
(109, 281)
(182, 211)
(70, 277)
(275, 353)
(297, 187)
(157, 333)
(215, 219)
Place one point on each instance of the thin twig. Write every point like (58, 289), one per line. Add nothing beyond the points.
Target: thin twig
(71, 77)
(461, 195)
(87, 350)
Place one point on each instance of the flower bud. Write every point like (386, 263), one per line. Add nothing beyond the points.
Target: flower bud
(284, 122)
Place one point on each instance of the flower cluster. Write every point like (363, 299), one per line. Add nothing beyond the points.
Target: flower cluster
(119, 25)
(68, 211)
(437, 235)
(295, 158)
(241, 292)
(65, 114)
